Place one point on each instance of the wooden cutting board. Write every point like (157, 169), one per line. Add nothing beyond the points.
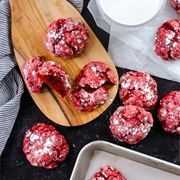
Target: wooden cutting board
(30, 19)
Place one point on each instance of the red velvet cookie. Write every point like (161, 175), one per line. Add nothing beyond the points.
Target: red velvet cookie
(29, 69)
(169, 112)
(175, 4)
(94, 75)
(66, 38)
(53, 75)
(108, 173)
(88, 100)
(167, 41)
(138, 88)
(130, 124)
(44, 146)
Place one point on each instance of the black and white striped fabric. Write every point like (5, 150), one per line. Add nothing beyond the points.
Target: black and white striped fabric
(78, 4)
(11, 84)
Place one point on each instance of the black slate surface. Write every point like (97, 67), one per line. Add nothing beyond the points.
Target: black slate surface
(14, 165)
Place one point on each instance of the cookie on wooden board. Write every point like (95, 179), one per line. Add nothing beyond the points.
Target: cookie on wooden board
(29, 70)
(66, 37)
(54, 76)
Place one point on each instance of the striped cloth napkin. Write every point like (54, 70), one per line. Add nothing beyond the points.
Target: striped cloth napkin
(11, 84)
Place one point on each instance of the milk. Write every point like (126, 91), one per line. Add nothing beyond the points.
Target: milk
(131, 12)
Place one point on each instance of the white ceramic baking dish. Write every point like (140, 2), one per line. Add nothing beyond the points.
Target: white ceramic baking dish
(132, 164)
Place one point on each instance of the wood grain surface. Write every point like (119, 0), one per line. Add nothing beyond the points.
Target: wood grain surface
(30, 19)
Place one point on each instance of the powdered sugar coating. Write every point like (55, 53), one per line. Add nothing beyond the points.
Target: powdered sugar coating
(108, 173)
(138, 88)
(169, 112)
(44, 146)
(94, 75)
(66, 38)
(175, 4)
(29, 69)
(88, 100)
(52, 74)
(89, 92)
(130, 124)
(167, 40)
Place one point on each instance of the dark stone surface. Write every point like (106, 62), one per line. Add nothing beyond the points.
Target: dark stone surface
(14, 165)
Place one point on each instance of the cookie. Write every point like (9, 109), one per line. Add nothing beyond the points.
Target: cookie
(169, 112)
(29, 70)
(88, 100)
(130, 124)
(167, 41)
(94, 75)
(138, 88)
(66, 38)
(175, 4)
(54, 76)
(107, 173)
(44, 146)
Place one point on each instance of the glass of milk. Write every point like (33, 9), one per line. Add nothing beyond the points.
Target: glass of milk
(130, 14)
